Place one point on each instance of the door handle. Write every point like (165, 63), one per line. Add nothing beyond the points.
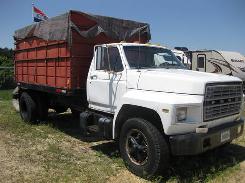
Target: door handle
(93, 77)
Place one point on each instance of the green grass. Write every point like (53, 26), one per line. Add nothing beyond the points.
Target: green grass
(6, 94)
(45, 153)
(55, 151)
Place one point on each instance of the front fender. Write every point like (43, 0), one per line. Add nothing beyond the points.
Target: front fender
(164, 104)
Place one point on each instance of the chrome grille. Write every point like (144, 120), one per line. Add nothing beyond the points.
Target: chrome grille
(222, 100)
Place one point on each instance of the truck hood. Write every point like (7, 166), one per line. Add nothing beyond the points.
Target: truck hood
(176, 80)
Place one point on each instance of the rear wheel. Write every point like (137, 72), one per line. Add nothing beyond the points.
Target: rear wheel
(28, 108)
(143, 148)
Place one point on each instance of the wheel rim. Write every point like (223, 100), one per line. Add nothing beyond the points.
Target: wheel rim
(137, 147)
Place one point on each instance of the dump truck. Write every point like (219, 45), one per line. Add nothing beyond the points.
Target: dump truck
(124, 89)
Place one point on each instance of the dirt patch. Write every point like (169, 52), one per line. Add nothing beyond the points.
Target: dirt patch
(13, 167)
(125, 176)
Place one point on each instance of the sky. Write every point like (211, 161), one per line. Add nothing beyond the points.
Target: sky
(195, 24)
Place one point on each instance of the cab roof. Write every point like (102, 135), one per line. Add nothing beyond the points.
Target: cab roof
(133, 44)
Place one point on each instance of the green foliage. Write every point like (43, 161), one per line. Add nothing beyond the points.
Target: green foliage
(6, 52)
(6, 70)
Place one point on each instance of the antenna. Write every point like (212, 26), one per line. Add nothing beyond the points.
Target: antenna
(32, 11)
(139, 34)
(139, 51)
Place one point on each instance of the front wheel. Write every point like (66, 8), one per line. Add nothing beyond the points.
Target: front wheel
(143, 148)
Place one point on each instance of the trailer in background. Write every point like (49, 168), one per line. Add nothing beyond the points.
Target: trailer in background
(220, 62)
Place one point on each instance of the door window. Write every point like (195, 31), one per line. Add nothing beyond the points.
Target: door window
(108, 59)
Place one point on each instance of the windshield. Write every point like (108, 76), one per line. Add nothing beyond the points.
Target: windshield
(144, 57)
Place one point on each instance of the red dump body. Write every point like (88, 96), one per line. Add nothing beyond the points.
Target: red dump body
(61, 63)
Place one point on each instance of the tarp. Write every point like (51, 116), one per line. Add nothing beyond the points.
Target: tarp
(58, 28)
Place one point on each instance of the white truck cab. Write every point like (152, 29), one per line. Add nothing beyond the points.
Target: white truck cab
(143, 96)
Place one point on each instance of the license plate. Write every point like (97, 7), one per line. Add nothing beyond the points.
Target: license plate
(225, 135)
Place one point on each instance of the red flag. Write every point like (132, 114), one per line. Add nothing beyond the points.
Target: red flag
(38, 15)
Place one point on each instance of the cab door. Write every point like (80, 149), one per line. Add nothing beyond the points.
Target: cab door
(98, 81)
(106, 81)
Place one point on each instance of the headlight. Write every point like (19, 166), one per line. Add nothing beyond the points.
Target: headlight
(181, 113)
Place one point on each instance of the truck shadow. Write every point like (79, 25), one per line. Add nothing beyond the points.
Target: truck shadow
(190, 168)
(207, 165)
(70, 125)
(182, 168)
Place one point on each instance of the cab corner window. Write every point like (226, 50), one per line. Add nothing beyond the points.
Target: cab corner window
(115, 59)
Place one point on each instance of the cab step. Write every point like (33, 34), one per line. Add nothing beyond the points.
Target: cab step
(98, 124)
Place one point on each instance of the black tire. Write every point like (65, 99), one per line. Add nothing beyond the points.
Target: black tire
(157, 156)
(28, 108)
(75, 113)
(60, 109)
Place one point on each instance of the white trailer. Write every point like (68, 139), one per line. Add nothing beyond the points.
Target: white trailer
(220, 62)
(182, 56)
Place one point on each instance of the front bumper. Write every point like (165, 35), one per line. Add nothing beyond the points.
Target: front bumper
(196, 143)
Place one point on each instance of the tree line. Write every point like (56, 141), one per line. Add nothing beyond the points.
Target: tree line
(6, 68)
